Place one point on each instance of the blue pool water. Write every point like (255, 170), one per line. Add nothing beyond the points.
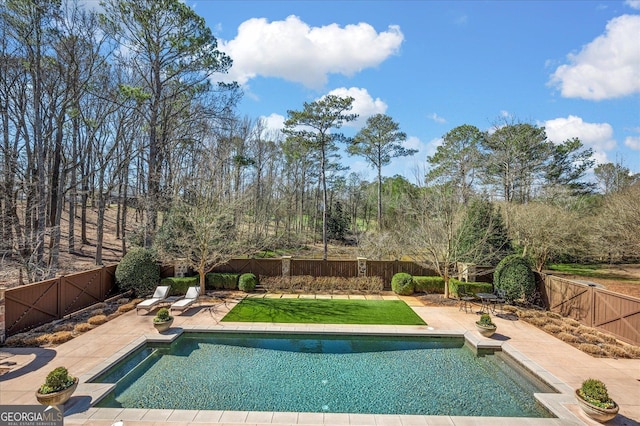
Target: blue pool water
(308, 373)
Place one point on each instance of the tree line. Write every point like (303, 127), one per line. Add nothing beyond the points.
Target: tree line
(118, 109)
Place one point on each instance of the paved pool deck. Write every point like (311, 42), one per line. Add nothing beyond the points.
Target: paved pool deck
(88, 353)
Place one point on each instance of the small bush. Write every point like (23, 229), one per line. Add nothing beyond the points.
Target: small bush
(572, 322)
(607, 338)
(60, 337)
(514, 275)
(632, 351)
(553, 315)
(221, 281)
(63, 327)
(568, 337)
(180, 285)
(97, 320)
(590, 348)
(138, 271)
(402, 284)
(57, 380)
(162, 315)
(592, 338)
(470, 287)
(247, 283)
(595, 392)
(614, 351)
(83, 327)
(552, 328)
(428, 284)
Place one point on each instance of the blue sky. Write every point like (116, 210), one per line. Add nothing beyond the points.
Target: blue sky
(571, 66)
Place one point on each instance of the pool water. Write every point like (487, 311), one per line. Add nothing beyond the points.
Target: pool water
(310, 373)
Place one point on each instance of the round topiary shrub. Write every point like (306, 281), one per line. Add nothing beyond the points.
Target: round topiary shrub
(138, 271)
(247, 282)
(402, 284)
(514, 275)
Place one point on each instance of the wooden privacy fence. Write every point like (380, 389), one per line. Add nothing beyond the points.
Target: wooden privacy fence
(324, 268)
(31, 305)
(610, 312)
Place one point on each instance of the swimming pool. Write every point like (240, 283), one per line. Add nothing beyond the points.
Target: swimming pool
(323, 373)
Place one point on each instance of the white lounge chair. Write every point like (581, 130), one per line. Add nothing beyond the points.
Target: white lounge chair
(159, 296)
(188, 300)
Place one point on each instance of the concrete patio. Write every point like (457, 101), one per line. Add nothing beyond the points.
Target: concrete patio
(88, 352)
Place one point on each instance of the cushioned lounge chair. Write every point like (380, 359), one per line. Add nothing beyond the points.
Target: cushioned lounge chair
(161, 293)
(188, 300)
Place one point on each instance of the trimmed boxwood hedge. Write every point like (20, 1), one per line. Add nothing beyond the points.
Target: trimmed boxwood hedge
(470, 287)
(221, 281)
(402, 284)
(180, 285)
(428, 284)
(247, 282)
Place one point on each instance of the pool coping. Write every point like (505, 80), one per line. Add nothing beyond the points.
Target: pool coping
(553, 402)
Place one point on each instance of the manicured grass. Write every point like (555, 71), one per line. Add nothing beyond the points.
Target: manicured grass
(324, 311)
(593, 271)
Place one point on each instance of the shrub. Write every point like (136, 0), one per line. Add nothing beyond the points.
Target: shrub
(615, 351)
(247, 282)
(60, 337)
(472, 287)
(97, 320)
(552, 328)
(592, 338)
(180, 285)
(138, 271)
(595, 392)
(57, 380)
(82, 327)
(428, 284)
(568, 337)
(162, 315)
(402, 284)
(219, 281)
(514, 275)
(590, 348)
(63, 327)
(485, 320)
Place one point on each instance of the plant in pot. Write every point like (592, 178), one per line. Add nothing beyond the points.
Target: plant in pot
(595, 401)
(485, 326)
(57, 388)
(163, 320)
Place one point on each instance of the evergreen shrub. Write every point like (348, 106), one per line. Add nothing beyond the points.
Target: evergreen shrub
(180, 285)
(428, 284)
(247, 282)
(138, 271)
(402, 284)
(514, 275)
(221, 281)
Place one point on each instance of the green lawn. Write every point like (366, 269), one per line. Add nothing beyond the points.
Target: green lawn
(324, 311)
(593, 271)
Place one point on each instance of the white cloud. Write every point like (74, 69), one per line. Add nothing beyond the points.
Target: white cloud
(273, 122)
(633, 142)
(634, 4)
(598, 136)
(435, 117)
(294, 51)
(363, 104)
(608, 67)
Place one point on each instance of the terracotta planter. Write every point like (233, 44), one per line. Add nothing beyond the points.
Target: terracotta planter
(486, 330)
(163, 326)
(598, 414)
(57, 398)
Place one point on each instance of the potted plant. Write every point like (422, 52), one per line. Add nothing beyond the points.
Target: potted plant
(57, 388)
(162, 321)
(595, 402)
(485, 326)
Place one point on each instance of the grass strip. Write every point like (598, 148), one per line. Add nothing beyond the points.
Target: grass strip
(324, 311)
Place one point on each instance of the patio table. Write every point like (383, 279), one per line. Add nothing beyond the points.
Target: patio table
(487, 299)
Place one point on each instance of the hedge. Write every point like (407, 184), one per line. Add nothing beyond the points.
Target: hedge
(428, 284)
(247, 282)
(470, 287)
(179, 286)
(221, 281)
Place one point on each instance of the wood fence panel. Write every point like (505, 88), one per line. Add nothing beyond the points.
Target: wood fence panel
(265, 267)
(31, 305)
(569, 299)
(610, 312)
(324, 268)
(617, 314)
(77, 291)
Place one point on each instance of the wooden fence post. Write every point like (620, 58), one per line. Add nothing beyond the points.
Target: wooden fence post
(3, 331)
